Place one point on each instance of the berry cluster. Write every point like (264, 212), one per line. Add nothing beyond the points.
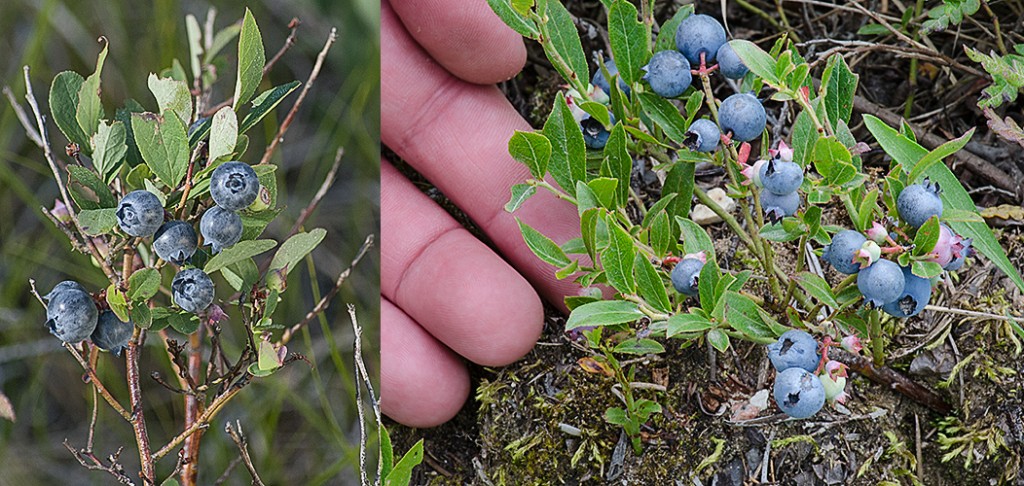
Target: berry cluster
(807, 378)
(700, 39)
(885, 283)
(234, 186)
(72, 316)
(779, 178)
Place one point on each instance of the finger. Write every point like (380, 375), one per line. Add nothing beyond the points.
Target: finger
(423, 383)
(456, 134)
(449, 282)
(467, 38)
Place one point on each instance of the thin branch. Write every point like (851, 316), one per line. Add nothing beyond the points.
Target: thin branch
(332, 175)
(95, 380)
(88, 460)
(302, 96)
(243, 447)
(325, 301)
(288, 43)
(203, 421)
(138, 419)
(32, 133)
(361, 375)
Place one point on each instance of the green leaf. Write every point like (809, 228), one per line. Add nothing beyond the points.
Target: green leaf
(109, 148)
(520, 23)
(265, 103)
(241, 251)
(95, 222)
(568, 152)
(603, 313)
(90, 108)
(695, 238)
(143, 284)
(163, 144)
(520, 193)
(805, 136)
(604, 188)
(719, 340)
(628, 39)
(650, 284)
(639, 347)
(533, 150)
(251, 59)
(707, 284)
(927, 236)
(588, 230)
(617, 259)
(401, 474)
(142, 316)
(687, 324)
(295, 249)
(907, 153)
(183, 322)
(564, 42)
(758, 61)
(935, 156)
(195, 48)
(87, 178)
(833, 160)
(241, 274)
(620, 163)
(743, 315)
(64, 106)
(220, 41)
(542, 246)
(662, 237)
(253, 224)
(838, 86)
(679, 181)
(1007, 75)
(790, 229)
(667, 34)
(597, 111)
(172, 96)
(816, 287)
(665, 115)
(124, 115)
(866, 210)
(223, 133)
(117, 302)
(925, 269)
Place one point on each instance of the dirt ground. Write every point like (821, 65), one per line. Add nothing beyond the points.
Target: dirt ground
(540, 420)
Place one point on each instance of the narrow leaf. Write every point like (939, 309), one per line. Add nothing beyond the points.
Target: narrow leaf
(163, 144)
(241, 251)
(251, 58)
(565, 42)
(223, 133)
(568, 152)
(531, 149)
(603, 313)
(542, 246)
(617, 259)
(64, 106)
(628, 39)
(520, 193)
(650, 284)
(295, 249)
(265, 103)
(143, 284)
(172, 96)
(90, 108)
(109, 147)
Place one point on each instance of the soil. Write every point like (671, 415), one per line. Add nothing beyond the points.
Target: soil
(541, 420)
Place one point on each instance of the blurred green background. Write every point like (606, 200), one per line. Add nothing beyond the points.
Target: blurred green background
(301, 422)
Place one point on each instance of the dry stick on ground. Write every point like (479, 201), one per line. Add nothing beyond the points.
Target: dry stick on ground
(888, 377)
(975, 164)
(302, 96)
(243, 448)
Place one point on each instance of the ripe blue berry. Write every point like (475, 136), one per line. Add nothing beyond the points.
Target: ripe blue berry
(220, 228)
(595, 135)
(112, 334)
(71, 315)
(140, 213)
(729, 63)
(794, 349)
(841, 251)
(703, 136)
(192, 290)
(65, 285)
(918, 202)
(685, 274)
(743, 115)
(776, 207)
(916, 293)
(668, 74)
(601, 82)
(881, 283)
(175, 242)
(782, 177)
(699, 34)
(958, 261)
(234, 185)
(798, 393)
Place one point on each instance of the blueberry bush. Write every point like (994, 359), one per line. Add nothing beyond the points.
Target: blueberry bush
(170, 201)
(653, 279)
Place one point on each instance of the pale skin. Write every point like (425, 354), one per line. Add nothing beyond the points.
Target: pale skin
(447, 298)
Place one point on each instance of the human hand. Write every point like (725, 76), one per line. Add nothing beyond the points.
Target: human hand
(446, 296)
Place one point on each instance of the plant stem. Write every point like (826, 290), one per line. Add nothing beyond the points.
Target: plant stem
(800, 261)
(875, 329)
(554, 190)
(138, 420)
(193, 404)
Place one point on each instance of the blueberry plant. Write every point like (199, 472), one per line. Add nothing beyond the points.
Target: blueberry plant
(650, 274)
(134, 185)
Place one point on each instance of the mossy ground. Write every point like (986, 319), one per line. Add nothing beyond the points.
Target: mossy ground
(515, 430)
